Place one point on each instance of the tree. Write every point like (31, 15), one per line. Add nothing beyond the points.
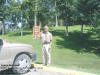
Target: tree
(3, 14)
(66, 9)
(45, 15)
(86, 8)
(31, 8)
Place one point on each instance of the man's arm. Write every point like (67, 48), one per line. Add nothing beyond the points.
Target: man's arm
(40, 36)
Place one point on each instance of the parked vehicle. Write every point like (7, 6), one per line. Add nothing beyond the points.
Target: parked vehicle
(16, 56)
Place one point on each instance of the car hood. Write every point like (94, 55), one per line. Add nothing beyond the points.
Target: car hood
(16, 45)
(19, 45)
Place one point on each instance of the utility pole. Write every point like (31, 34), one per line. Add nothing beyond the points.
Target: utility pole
(35, 14)
(35, 23)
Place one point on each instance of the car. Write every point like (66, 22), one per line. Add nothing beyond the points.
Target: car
(16, 56)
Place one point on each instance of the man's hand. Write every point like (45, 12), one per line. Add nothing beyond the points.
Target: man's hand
(38, 36)
(34, 37)
(50, 48)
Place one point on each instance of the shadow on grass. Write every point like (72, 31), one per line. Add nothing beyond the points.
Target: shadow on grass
(78, 43)
(74, 41)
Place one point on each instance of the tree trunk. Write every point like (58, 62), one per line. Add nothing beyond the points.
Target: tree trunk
(56, 16)
(30, 25)
(61, 22)
(21, 24)
(56, 21)
(40, 24)
(3, 28)
(21, 31)
(66, 29)
(16, 24)
(82, 30)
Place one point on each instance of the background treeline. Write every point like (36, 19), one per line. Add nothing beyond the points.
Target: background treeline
(48, 12)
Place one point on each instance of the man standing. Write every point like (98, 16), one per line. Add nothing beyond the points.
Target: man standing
(46, 38)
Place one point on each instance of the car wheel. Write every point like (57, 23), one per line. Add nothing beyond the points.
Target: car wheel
(21, 64)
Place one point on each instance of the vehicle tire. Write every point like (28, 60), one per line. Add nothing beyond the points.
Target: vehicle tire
(21, 64)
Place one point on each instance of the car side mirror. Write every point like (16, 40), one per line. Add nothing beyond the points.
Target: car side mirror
(1, 42)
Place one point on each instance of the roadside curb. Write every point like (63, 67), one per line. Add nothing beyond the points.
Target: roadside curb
(58, 70)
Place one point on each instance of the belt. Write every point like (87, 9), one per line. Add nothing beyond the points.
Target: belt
(46, 43)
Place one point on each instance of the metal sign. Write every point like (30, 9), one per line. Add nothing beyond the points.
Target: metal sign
(36, 31)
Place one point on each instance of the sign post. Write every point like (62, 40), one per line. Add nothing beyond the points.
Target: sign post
(36, 32)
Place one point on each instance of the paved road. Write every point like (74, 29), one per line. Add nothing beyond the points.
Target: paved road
(32, 72)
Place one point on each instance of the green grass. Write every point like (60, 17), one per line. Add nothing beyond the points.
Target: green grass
(72, 52)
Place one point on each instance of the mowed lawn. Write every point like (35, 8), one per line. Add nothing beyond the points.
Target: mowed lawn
(72, 52)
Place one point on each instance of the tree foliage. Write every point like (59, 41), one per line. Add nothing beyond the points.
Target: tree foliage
(70, 11)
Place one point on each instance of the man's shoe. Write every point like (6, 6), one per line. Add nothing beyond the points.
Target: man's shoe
(44, 64)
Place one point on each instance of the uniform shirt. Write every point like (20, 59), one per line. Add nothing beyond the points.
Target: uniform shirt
(46, 37)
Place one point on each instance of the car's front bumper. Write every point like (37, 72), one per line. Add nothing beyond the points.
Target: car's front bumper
(33, 56)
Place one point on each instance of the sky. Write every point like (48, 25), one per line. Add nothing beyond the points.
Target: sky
(19, 0)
